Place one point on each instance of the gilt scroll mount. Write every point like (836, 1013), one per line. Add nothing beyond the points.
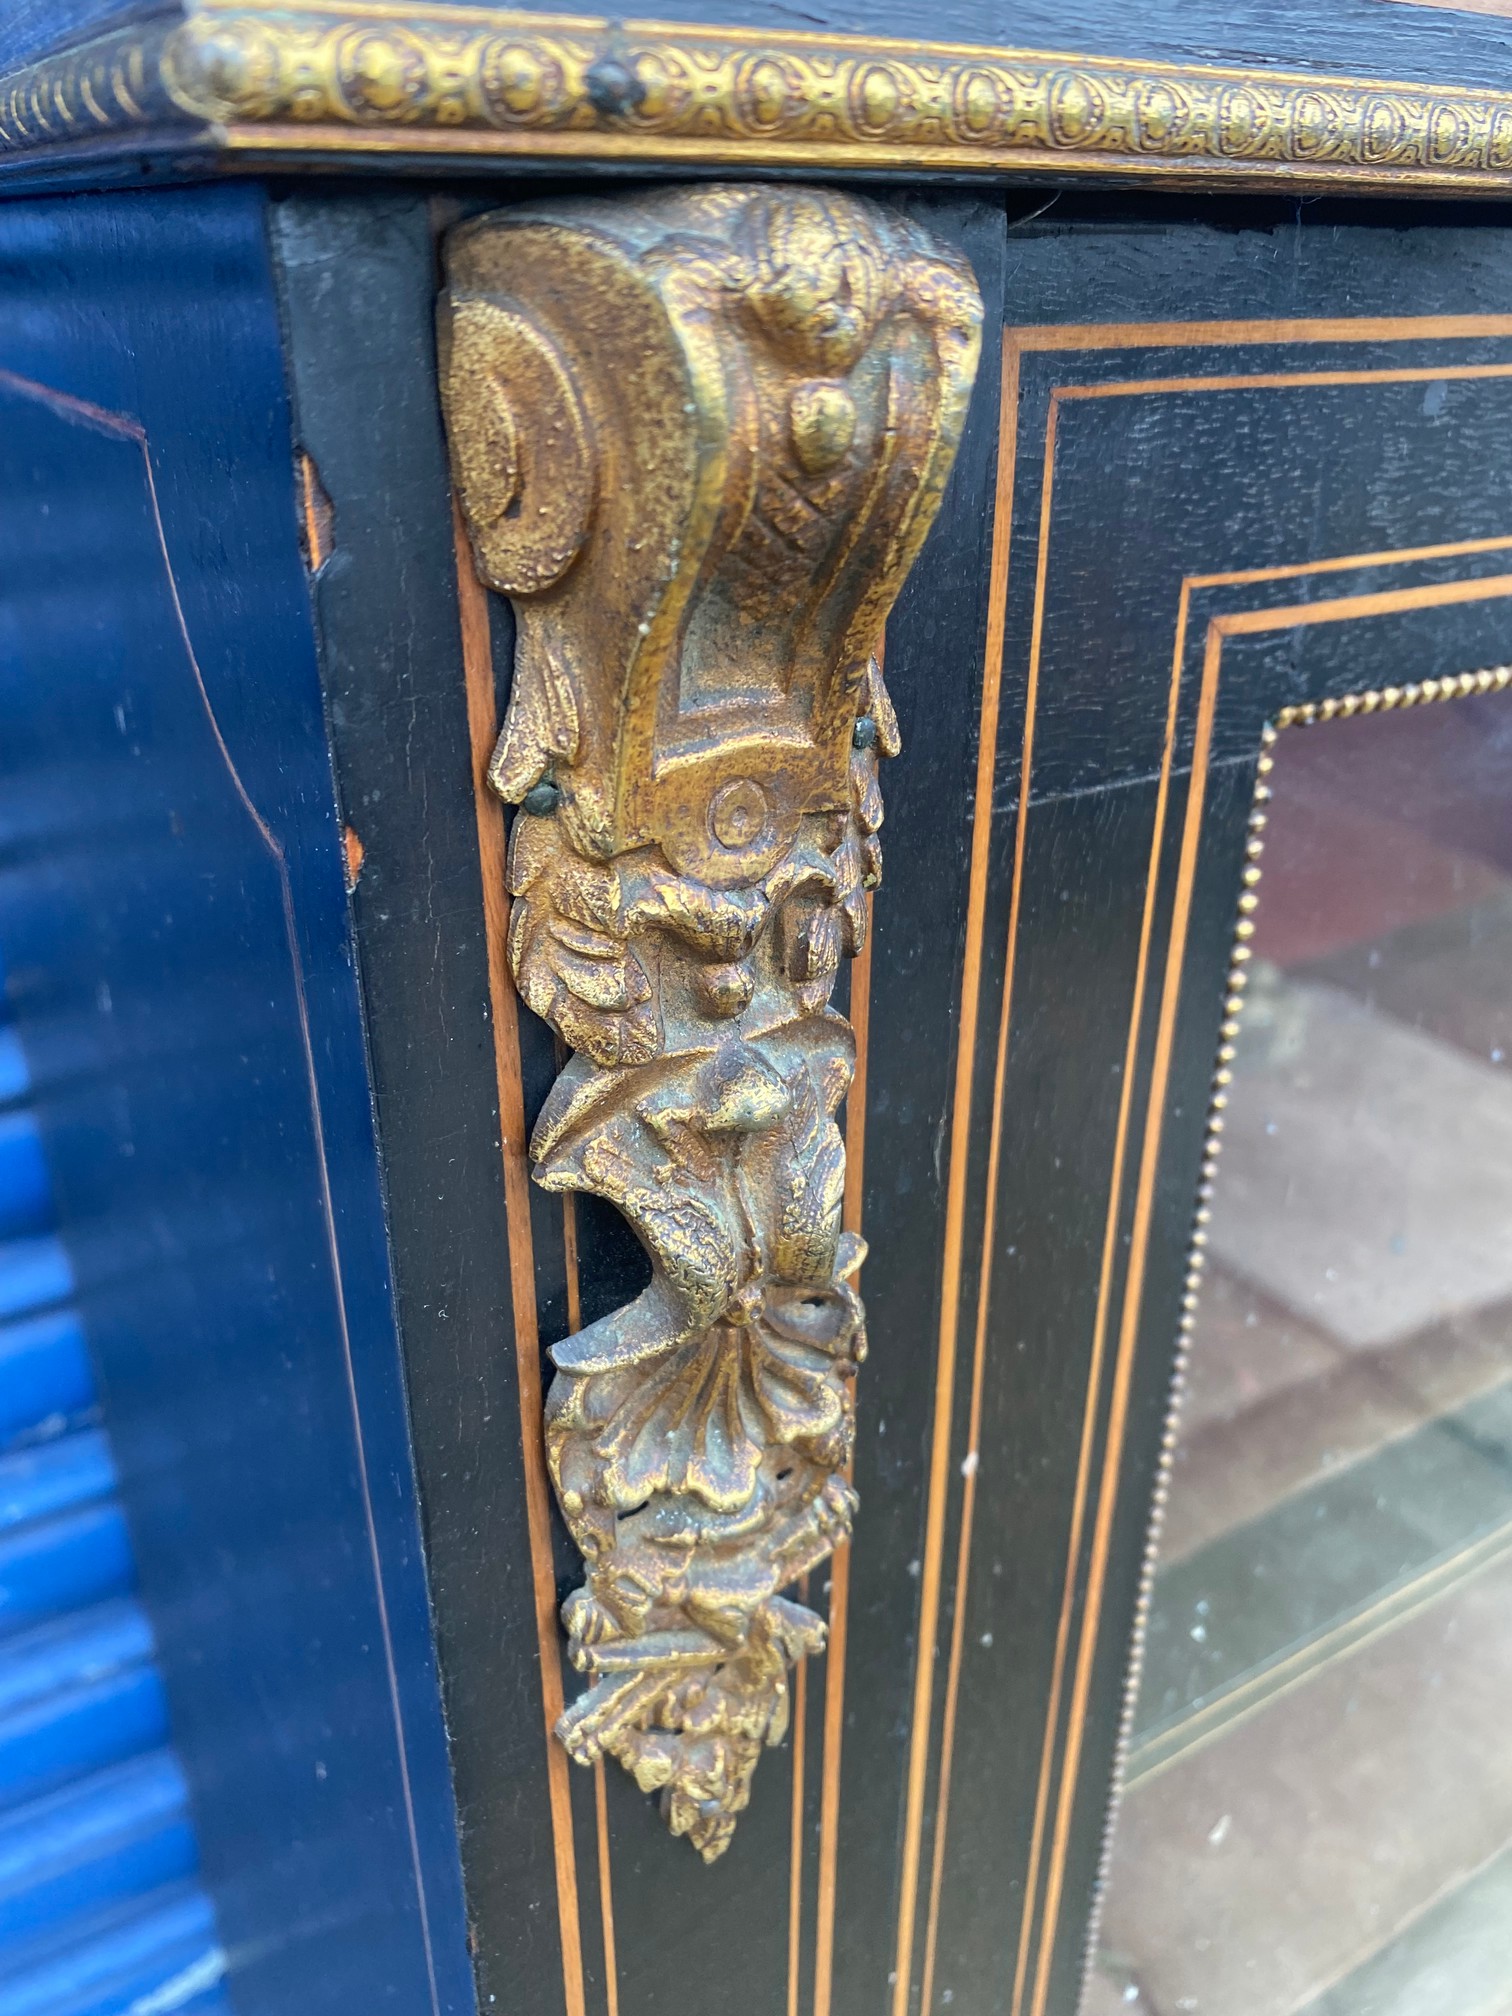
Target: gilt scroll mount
(698, 438)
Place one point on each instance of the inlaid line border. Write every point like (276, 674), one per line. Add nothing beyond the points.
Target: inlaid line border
(1016, 344)
(482, 722)
(1249, 622)
(478, 668)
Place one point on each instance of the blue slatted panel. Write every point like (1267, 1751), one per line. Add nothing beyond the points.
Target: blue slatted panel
(100, 1910)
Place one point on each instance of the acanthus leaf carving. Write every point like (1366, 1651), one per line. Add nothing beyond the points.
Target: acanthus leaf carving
(698, 438)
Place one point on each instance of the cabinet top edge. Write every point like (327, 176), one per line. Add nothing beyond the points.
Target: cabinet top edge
(349, 84)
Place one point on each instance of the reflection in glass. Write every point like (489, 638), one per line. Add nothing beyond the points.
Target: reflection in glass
(1317, 1814)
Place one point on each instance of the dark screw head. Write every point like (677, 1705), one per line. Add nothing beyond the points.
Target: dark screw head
(864, 734)
(542, 799)
(613, 88)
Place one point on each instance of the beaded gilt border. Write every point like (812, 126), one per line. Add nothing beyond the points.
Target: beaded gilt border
(258, 80)
(1306, 714)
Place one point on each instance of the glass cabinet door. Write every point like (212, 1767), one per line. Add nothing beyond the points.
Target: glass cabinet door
(1316, 1815)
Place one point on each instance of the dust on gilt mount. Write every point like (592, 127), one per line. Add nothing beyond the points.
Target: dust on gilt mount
(698, 438)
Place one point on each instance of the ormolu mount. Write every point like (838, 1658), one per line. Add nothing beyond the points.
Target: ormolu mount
(698, 439)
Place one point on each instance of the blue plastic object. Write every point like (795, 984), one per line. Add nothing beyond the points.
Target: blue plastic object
(100, 1913)
(175, 926)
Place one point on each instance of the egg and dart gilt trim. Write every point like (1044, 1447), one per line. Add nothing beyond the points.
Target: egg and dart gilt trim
(249, 82)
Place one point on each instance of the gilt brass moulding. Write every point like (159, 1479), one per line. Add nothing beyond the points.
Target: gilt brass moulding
(698, 439)
(256, 82)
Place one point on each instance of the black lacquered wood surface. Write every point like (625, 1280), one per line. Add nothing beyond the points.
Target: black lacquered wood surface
(1295, 403)
(1321, 444)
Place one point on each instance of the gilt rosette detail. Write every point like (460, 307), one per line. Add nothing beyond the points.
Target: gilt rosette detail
(698, 439)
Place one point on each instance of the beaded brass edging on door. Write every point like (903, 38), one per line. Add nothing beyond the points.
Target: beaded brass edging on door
(1302, 714)
(246, 79)
(698, 439)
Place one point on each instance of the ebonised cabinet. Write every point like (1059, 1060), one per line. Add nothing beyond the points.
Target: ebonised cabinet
(1195, 354)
